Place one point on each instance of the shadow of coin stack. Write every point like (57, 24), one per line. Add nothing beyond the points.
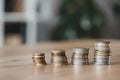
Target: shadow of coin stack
(58, 57)
(39, 58)
(102, 53)
(80, 56)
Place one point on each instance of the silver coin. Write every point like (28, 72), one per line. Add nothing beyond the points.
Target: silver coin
(101, 44)
(59, 63)
(82, 59)
(100, 60)
(101, 48)
(79, 63)
(59, 59)
(102, 57)
(74, 56)
(80, 50)
(100, 63)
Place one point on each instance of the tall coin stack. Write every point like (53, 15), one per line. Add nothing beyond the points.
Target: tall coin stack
(102, 53)
(58, 57)
(39, 58)
(80, 56)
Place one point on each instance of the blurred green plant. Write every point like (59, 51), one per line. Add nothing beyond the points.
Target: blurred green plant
(79, 19)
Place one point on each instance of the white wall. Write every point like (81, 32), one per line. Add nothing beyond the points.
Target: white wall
(1, 22)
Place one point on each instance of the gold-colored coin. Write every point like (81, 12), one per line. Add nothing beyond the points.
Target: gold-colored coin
(58, 52)
(39, 58)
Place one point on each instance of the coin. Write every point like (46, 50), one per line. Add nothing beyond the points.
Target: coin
(38, 54)
(102, 57)
(102, 63)
(80, 62)
(103, 42)
(102, 60)
(58, 52)
(84, 57)
(39, 58)
(80, 56)
(58, 57)
(80, 50)
(102, 48)
(102, 52)
(59, 63)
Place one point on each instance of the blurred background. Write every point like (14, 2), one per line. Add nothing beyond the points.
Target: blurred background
(32, 21)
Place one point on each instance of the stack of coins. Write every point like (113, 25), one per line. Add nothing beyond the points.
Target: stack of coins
(102, 53)
(58, 57)
(80, 56)
(39, 58)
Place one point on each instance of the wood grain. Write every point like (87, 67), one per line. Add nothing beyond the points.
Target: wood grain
(16, 63)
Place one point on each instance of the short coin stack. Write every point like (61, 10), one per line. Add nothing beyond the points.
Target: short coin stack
(102, 53)
(39, 58)
(58, 57)
(80, 56)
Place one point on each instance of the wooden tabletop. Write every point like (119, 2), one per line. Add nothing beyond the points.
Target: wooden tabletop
(16, 63)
